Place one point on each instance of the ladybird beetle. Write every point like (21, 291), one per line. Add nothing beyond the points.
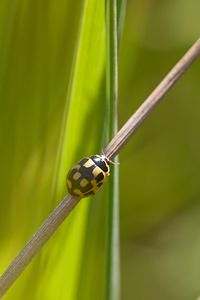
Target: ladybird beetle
(87, 176)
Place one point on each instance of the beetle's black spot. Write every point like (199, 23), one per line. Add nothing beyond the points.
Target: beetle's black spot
(89, 193)
(99, 177)
(73, 171)
(100, 184)
(83, 161)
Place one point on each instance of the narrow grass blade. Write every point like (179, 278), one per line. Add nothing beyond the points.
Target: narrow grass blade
(112, 266)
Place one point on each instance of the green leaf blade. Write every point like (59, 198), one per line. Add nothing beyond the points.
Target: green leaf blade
(81, 136)
(112, 266)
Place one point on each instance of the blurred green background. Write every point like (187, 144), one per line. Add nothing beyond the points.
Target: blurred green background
(159, 168)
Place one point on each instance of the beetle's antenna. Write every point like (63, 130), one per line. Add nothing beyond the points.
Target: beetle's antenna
(110, 161)
(114, 163)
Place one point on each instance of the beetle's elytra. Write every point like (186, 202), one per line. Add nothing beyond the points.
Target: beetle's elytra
(87, 176)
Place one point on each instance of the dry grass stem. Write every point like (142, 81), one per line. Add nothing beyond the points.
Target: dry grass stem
(68, 203)
(37, 241)
(126, 132)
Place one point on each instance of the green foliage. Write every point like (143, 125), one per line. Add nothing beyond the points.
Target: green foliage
(81, 135)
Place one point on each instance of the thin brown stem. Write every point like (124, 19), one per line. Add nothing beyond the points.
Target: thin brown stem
(126, 132)
(37, 241)
(59, 214)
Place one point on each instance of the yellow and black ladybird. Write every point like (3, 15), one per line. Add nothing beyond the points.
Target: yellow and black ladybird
(87, 176)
